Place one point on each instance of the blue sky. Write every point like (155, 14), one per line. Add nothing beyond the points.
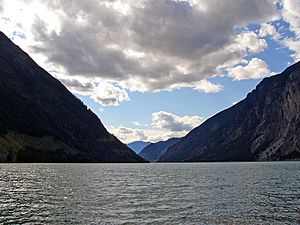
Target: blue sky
(155, 69)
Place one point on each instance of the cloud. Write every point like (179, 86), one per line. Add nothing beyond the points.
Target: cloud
(107, 94)
(165, 125)
(162, 135)
(250, 40)
(255, 69)
(169, 121)
(267, 29)
(294, 45)
(139, 124)
(147, 46)
(291, 14)
(79, 86)
(104, 93)
(207, 87)
(128, 135)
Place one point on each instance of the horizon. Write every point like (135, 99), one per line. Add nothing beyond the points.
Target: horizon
(154, 77)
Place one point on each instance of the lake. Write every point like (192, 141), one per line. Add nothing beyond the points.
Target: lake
(175, 193)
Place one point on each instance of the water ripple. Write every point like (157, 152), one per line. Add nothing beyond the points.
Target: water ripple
(204, 193)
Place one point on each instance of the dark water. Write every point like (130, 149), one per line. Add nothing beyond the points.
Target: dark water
(215, 193)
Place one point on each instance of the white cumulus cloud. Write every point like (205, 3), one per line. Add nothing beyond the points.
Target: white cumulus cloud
(104, 93)
(207, 87)
(165, 125)
(267, 29)
(128, 135)
(169, 121)
(291, 14)
(255, 69)
(251, 42)
(107, 94)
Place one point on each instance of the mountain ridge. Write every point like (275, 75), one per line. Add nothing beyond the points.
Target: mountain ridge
(138, 146)
(259, 127)
(41, 121)
(154, 151)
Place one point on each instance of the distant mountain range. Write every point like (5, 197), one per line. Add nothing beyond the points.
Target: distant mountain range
(137, 146)
(263, 126)
(41, 121)
(154, 151)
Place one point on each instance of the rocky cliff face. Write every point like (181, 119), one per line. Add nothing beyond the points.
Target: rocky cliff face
(264, 126)
(154, 151)
(41, 121)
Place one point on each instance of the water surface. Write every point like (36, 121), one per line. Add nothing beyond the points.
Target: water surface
(199, 193)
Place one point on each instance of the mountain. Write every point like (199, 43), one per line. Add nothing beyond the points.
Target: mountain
(155, 150)
(263, 126)
(137, 146)
(41, 121)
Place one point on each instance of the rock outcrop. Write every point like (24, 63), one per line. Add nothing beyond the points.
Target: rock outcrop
(263, 126)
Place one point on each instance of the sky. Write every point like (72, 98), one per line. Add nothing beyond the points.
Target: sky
(156, 69)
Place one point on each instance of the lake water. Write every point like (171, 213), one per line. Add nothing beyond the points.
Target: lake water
(199, 193)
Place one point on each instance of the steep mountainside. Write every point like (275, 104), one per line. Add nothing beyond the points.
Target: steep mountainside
(263, 126)
(155, 150)
(41, 121)
(137, 146)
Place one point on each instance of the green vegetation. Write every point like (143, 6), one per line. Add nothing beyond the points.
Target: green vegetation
(24, 148)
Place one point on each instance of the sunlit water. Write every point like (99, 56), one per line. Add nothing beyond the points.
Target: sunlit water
(203, 193)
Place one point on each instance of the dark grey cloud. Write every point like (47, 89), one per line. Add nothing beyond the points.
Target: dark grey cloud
(77, 86)
(155, 45)
(82, 53)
